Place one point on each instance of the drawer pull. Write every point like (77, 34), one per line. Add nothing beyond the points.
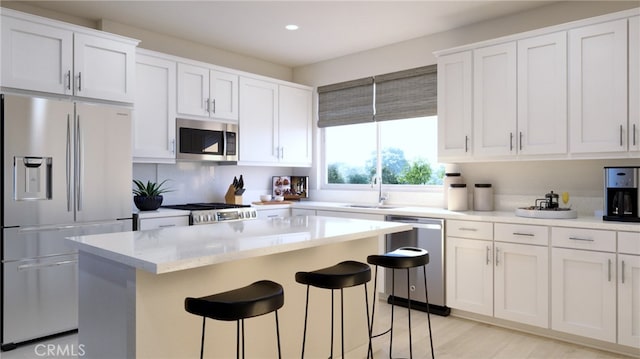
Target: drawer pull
(581, 239)
(524, 234)
(166, 225)
(468, 229)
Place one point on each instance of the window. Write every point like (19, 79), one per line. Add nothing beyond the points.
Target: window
(407, 151)
(383, 126)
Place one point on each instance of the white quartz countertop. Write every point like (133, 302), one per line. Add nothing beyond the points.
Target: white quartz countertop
(178, 248)
(590, 222)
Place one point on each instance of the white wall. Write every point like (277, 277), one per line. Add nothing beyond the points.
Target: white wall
(516, 183)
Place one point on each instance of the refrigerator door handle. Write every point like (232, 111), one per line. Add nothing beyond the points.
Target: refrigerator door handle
(68, 164)
(23, 267)
(78, 168)
(46, 256)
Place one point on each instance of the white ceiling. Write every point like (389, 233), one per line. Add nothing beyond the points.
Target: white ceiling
(328, 29)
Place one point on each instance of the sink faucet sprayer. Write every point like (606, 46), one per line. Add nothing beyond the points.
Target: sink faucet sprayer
(381, 197)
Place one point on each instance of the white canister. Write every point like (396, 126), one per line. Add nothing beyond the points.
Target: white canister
(483, 197)
(458, 197)
(450, 178)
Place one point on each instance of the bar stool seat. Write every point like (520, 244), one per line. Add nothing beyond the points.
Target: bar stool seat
(342, 275)
(401, 258)
(256, 299)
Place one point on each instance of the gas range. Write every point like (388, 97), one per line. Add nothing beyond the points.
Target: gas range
(205, 213)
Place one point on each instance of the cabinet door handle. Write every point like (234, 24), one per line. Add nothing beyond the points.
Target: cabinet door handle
(68, 80)
(79, 81)
(510, 141)
(609, 269)
(581, 239)
(497, 256)
(524, 234)
(622, 271)
(634, 134)
(520, 140)
(213, 105)
(466, 143)
(488, 255)
(172, 146)
(621, 130)
(281, 152)
(206, 105)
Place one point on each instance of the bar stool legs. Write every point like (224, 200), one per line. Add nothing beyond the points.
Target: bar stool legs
(340, 276)
(402, 258)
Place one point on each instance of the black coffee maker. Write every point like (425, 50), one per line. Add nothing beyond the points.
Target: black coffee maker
(621, 201)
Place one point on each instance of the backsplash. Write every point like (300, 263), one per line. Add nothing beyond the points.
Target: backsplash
(194, 182)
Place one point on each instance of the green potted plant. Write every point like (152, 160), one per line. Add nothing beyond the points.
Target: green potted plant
(148, 197)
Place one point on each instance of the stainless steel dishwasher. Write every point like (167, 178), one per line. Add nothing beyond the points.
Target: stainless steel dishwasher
(427, 233)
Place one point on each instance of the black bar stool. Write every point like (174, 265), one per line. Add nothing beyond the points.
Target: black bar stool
(256, 299)
(401, 258)
(342, 275)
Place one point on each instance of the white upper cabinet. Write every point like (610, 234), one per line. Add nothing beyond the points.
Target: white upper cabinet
(454, 105)
(542, 95)
(259, 121)
(154, 115)
(567, 91)
(275, 124)
(224, 95)
(104, 68)
(206, 92)
(634, 84)
(193, 90)
(494, 100)
(43, 55)
(598, 87)
(36, 56)
(295, 125)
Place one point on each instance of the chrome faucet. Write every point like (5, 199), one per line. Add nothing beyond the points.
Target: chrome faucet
(381, 197)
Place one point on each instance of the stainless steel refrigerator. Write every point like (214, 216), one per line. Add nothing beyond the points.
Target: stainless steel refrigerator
(66, 171)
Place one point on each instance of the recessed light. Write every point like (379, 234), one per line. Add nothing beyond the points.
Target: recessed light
(291, 27)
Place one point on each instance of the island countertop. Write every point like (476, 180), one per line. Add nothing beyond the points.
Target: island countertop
(178, 248)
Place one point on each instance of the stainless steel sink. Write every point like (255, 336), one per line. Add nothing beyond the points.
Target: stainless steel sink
(370, 206)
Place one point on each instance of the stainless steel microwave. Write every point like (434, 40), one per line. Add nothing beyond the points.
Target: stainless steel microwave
(206, 141)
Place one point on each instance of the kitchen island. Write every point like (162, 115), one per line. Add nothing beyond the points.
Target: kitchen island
(132, 285)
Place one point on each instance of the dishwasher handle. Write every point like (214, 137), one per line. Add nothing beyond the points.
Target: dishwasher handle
(418, 222)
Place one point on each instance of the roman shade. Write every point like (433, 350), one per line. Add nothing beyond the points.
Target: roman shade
(406, 94)
(346, 103)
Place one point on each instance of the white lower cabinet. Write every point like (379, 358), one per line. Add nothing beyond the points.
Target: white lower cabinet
(162, 222)
(583, 285)
(274, 213)
(507, 279)
(629, 289)
(470, 275)
(469, 266)
(521, 274)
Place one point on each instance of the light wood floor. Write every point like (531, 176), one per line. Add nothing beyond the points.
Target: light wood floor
(461, 338)
(454, 338)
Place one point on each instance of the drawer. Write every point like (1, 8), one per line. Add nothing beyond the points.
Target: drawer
(162, 222)
(629, 242)
(590, 239)
(469, 229)
(522, 233)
